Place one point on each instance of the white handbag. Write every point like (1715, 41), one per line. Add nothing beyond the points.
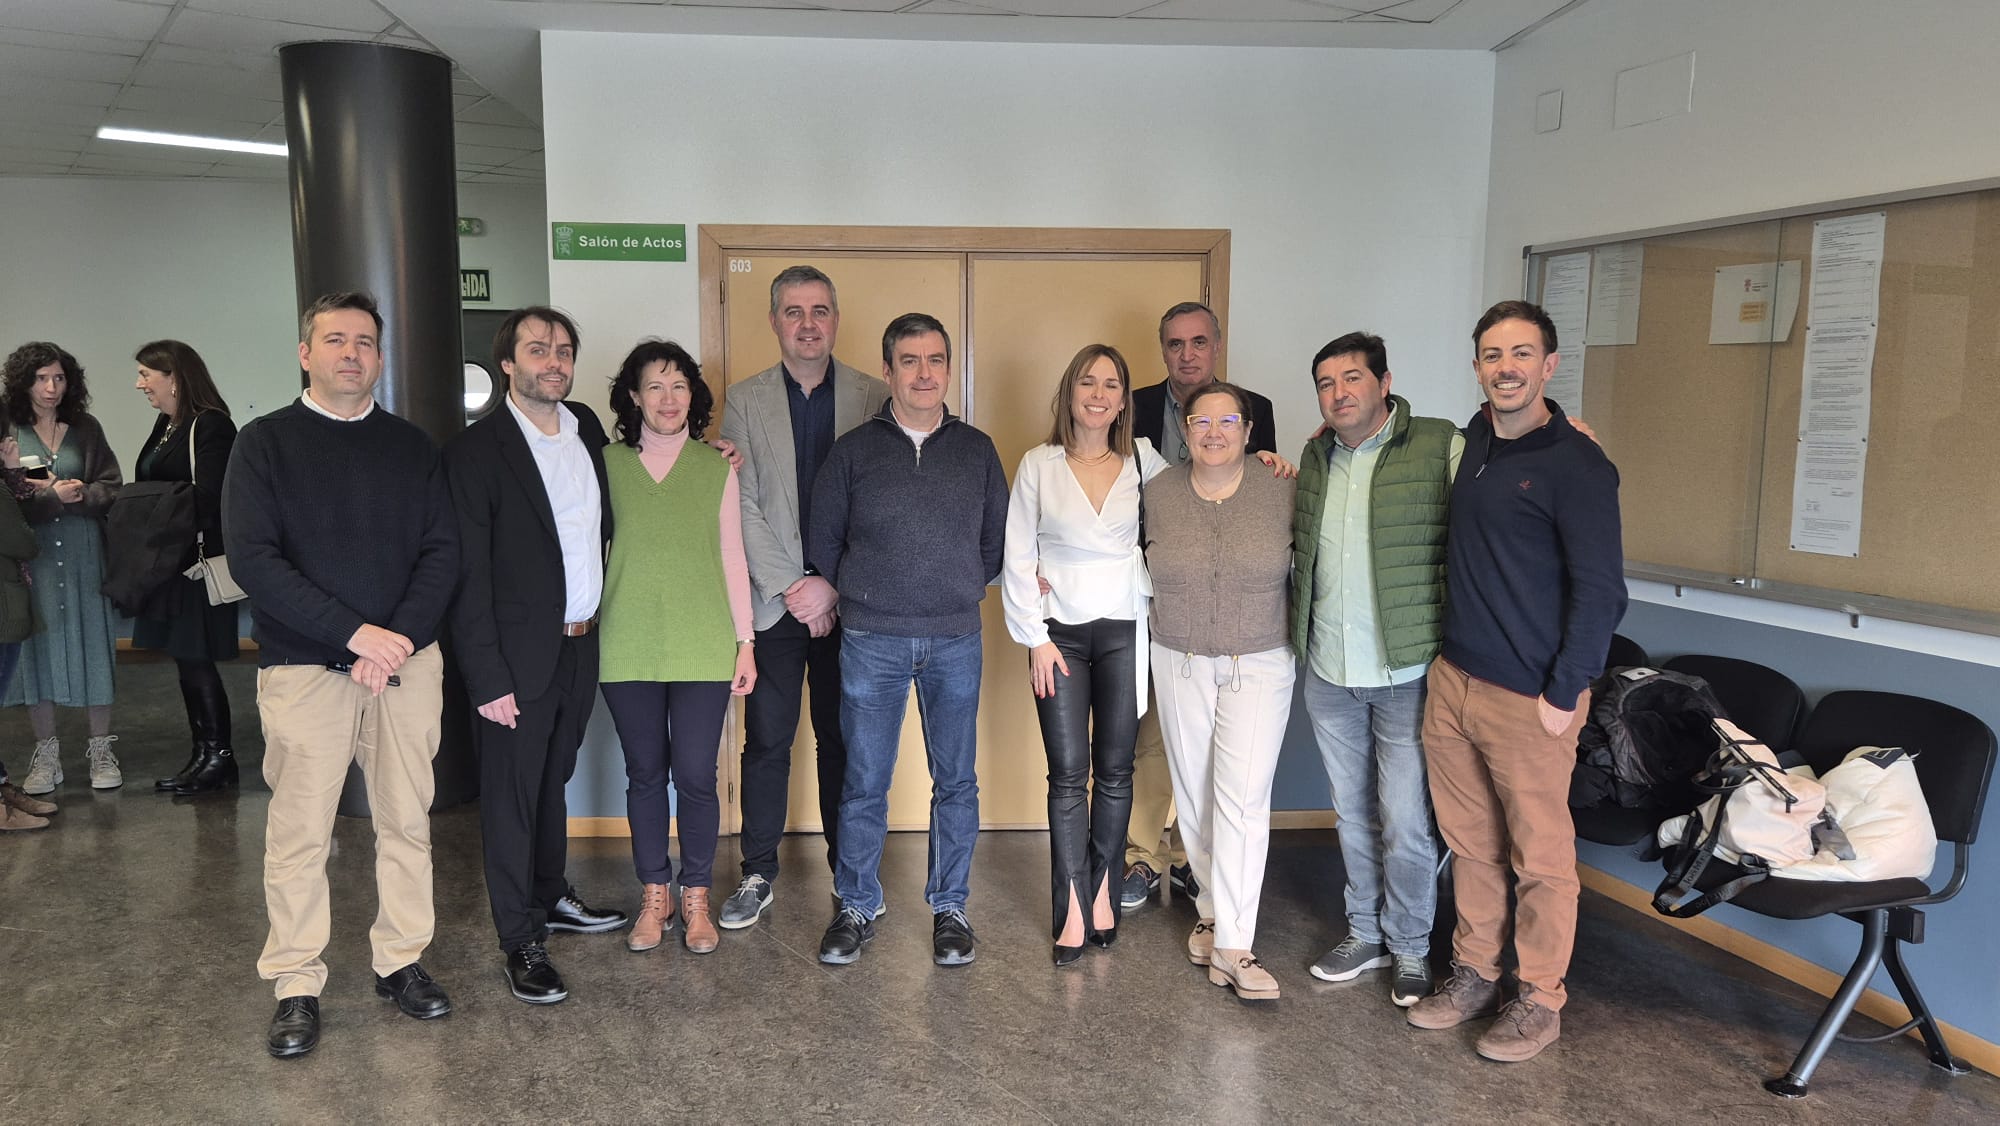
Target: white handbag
(212, 570)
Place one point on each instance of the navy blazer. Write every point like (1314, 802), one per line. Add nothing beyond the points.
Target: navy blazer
(1149, 415)
(507, 619)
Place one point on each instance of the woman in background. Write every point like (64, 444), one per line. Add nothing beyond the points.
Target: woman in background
(69, 662)
(176, 383)
(676, 630)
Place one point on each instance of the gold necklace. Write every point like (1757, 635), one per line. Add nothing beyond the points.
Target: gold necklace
(1100, 459)
(1230, 485)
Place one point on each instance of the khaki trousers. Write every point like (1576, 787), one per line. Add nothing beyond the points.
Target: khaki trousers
(315, 723)
(1500, 788)
(1152, 800)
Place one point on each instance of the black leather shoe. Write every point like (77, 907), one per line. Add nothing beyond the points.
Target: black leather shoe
(216, 771)
(951, 939)
(1064, 955)
(166, 785)
(1102, 939)
(531, 976)
(574, 915)
(844, 939)
(414, 992)
(295, 1028)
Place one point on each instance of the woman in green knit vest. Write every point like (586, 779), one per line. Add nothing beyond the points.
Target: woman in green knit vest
(676, 633)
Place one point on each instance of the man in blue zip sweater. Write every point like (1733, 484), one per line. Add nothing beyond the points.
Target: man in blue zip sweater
(1535, 586)
(909, 513)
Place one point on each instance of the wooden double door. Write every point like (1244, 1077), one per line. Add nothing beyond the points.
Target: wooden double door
(1016, 317)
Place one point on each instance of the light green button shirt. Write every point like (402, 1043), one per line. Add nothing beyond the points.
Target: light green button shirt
(1345, 646)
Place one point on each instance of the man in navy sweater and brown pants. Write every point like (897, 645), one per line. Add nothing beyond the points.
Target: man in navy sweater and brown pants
(340, 528)
(1535, 585)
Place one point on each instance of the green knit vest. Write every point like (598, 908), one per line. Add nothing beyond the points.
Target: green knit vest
(666, 608)
(1409, 507)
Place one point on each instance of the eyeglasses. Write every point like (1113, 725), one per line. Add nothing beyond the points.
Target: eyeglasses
(1202, 424)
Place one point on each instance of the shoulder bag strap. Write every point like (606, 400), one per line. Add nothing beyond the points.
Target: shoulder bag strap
(195, 480)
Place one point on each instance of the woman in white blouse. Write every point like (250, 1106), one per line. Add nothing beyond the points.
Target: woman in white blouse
(1073, 530)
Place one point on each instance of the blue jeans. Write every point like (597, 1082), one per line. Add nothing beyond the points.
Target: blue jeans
(876, 671)
(1371, 742)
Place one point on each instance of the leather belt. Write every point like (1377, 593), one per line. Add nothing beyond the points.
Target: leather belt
(578, 629)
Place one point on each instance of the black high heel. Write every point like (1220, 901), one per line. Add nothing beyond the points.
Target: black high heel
(1102, 939)
(1064, 955)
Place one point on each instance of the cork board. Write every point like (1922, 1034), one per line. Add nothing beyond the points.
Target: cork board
(1705, 436)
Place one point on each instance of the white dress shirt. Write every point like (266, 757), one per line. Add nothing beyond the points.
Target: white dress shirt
(571, 481)
(1093, 561)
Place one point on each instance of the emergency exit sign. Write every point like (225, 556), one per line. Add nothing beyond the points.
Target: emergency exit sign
(475, 285)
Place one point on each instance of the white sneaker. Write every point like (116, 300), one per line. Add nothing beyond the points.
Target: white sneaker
(45, 769)
(104, 772)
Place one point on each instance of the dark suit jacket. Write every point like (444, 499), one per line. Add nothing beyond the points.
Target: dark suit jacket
(506, 622)
(1149, 415)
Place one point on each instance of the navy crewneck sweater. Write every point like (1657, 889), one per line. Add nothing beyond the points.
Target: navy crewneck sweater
(1535, 577)
(333, 525)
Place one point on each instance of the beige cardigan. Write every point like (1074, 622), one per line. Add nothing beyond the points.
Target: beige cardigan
(1221, 572)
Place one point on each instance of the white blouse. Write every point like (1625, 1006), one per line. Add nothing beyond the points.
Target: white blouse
(1092, 560)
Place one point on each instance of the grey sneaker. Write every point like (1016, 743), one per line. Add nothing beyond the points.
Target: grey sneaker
(1411, 981)
(1464, 996)
(1521, 1030)
(104, 772)
(1140, 882)
(45, 768)
(746, 905)
(1350, 960)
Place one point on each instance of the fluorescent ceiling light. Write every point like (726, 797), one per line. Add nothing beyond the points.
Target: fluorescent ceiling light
(185, 140)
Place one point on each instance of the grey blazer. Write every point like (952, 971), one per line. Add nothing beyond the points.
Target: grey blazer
(757, 416)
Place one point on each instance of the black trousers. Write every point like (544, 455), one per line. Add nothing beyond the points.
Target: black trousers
(787, 655)
(523, 815)
(1089, 728)
(671, 733)
(207, 702)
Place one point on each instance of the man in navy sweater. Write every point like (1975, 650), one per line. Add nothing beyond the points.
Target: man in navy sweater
(340, 528)
(1535, 586)
(908, 517)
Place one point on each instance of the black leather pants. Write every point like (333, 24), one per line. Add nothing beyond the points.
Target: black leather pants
(1088, 727)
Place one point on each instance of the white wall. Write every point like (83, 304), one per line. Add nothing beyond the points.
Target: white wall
(1353, 182)
(100, 266)
(1796, 102)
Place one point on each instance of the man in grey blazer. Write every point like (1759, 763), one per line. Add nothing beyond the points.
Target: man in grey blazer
(784, 420)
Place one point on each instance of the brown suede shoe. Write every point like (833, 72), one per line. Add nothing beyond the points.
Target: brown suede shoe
(1521, 1030)
(697, 927)
(1241, 970)
(1201, 942)
(18, 820)
(15, 796)
(1464, 996)
(656, 917)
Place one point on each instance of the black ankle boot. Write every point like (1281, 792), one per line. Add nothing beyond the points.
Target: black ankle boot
(169, 785)
(215, 772)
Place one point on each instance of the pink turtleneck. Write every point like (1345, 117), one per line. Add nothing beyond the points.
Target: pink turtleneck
(658, 452)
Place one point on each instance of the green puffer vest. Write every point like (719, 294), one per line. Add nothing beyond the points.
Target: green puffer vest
(1410, 501)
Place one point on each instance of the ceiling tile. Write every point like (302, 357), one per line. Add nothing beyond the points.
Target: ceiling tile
(118, 19)
(179, 121)
(59, 91)
(222, 107)
(241, 33)
(57, 41)
(500, 136)
(33, 113)
(255, 76)
(483, 154)
(1246, 10)
(1423, 11)
(959, 8)
(10, 166)
(161, 166)
(87, 66)
(493, 111)
(1100, 9)
(348, 15)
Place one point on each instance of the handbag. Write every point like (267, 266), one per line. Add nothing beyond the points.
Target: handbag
(212, 570)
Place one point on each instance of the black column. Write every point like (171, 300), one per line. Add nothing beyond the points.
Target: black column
(375, 208)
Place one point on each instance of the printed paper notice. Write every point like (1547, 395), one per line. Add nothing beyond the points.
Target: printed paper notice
(1836, 386)
(1847, 269)
(1754, 303)
(1566, 299)
(1614, 294)
(1826, 497)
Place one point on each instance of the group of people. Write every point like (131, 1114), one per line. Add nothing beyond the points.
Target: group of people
(1445, 593)
(58, 630)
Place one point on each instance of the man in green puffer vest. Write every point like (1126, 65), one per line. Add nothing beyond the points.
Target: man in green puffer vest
(1368, 586)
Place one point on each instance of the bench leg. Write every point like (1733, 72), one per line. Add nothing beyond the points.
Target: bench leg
(1874, 933)
(1920, 1012)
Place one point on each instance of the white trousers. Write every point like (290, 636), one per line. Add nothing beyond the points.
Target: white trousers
(1223, 720)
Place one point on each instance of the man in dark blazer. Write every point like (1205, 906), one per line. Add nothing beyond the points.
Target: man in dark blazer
(784, 419)
(1190, 341)
(535, 516)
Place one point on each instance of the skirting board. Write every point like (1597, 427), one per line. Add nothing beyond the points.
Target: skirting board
(1877, 1006)
(1280, 819)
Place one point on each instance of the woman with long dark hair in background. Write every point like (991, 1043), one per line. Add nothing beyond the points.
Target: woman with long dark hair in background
(193, 417)
(69, 662)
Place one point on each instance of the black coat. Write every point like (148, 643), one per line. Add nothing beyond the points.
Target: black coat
(507, 619)
(1149, 414)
